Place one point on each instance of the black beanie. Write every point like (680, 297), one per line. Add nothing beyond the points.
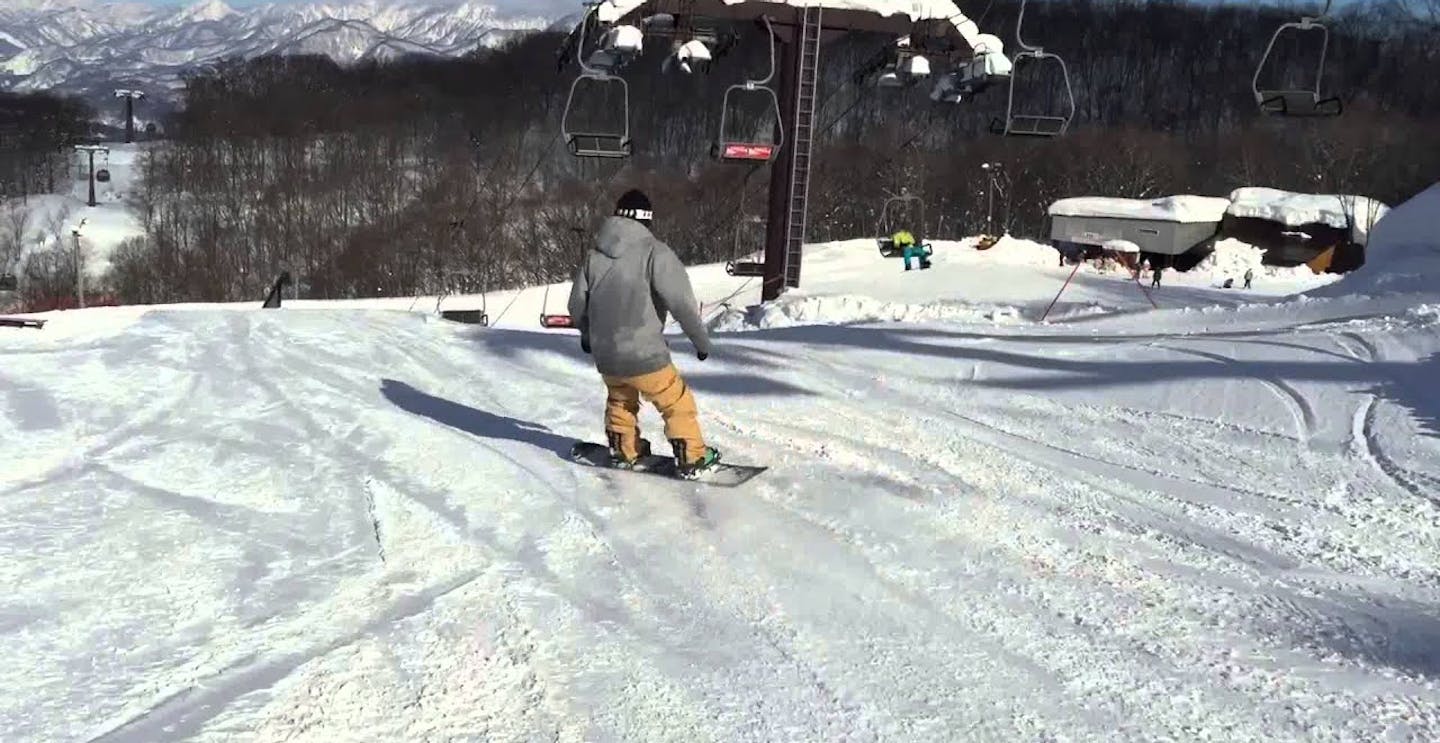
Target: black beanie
(634, 205)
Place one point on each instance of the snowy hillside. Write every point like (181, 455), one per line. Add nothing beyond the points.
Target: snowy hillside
(88, 47)
(1219, 520)
(106, 225)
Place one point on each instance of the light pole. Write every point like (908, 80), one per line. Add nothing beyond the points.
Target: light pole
(92, 149)
(79, 266)
(130, 97)
(990, 170)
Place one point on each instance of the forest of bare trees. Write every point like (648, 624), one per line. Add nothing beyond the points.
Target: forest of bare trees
(421, 175)
(36, 133)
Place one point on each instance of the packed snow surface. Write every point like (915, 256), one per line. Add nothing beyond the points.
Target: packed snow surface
(339, 521)
(1181, 208)
(1232, 258)
(1360, 213)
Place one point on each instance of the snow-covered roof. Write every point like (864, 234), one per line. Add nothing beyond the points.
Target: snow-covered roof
(1182, 208)
(610, 11)
(1296, 209)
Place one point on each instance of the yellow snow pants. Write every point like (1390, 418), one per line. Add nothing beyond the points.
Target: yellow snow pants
(667, 391)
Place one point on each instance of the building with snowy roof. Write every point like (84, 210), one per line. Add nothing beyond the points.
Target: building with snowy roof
(1174, 231)
(1295, 228)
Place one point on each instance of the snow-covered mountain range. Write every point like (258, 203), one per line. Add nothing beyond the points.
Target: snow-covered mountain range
(89, 47)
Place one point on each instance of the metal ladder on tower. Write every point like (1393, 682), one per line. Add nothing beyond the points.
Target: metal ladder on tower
(806, 89)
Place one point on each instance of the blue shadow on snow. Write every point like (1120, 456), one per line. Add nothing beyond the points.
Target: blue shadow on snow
(472, 421)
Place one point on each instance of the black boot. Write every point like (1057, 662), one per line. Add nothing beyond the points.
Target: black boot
(618, 460)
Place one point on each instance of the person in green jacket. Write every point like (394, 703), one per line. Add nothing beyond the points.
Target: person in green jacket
(905, 242)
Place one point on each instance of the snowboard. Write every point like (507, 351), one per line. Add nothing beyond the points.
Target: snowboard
(722, 474)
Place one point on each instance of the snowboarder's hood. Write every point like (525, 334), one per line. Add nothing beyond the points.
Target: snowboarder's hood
(620, 234)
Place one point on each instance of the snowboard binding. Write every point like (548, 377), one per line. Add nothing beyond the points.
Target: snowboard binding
(688, 470)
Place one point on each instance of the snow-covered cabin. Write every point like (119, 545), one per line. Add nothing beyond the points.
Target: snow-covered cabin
(1295, 228)
(1174, 230)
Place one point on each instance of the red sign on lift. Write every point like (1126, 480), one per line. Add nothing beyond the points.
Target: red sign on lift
(748, 151)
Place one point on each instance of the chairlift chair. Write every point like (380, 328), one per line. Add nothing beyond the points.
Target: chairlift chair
(551, 320)
(745, 269)
(907, 68)
(102, 176)
(597, 144)
(555, 320)
(739, 268)
(594, 142)
(9, 282)
(972, 77)
(885, 242)
(731, 149)
(1298, 102)
(1026, 124)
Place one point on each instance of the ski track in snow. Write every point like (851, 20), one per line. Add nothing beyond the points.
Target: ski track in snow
(335, 525)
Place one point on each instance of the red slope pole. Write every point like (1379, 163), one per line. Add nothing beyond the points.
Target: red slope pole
(1062, 291)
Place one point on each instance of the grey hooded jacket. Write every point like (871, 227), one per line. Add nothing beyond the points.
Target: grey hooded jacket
(621, 295)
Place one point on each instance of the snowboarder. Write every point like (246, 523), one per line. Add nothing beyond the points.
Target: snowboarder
(1155, 282)
(1249, 276)
(622, 293)
(906, 243)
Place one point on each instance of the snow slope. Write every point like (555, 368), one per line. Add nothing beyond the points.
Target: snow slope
(1404, 251)
(345, 521)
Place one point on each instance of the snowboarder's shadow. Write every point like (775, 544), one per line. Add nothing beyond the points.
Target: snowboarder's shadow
(470, 420)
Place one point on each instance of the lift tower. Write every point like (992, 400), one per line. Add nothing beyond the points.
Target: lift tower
(130, 97)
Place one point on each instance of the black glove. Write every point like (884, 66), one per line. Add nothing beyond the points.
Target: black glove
(585, 343)
(702, 355)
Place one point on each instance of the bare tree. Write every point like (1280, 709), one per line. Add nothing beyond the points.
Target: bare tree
(14, 224)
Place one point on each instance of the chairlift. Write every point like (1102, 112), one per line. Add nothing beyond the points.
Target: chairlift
(731, 149)
(1045, 123)
(556, 321)
(9, 282)
(1294, 101)
(102, 176)
(904, 70)
(911, 204)
(972, 77)
(745, 269)
(553, 320)
(592, 141)
(479, 317)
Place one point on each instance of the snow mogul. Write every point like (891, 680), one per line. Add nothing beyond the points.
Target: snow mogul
(905, 243)
(622, 293)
